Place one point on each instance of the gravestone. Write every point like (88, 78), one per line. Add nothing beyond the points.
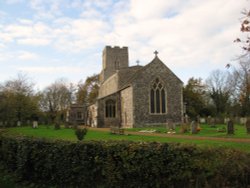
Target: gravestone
(194, 127)
(230, 127)
(243, 120)
(170, 127)
(226, 120)
(248, 125)
(202, 120)
(18, 123)
(186, 121)
(35, 124)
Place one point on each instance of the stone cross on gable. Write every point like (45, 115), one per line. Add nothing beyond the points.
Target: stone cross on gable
(156, 53)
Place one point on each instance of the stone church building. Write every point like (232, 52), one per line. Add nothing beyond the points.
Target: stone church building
(136, 96)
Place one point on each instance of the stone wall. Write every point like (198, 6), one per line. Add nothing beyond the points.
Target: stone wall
(109, 122)
(110, 86)
(141, 95)
(127, 108)
(114, 58)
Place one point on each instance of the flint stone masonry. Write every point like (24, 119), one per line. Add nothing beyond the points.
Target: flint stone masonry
(129, 88)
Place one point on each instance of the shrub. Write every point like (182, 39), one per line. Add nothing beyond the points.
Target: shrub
(57, 126)
(123, 164)
(80, 133)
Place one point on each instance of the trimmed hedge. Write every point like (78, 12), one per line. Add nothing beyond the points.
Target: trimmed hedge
(123, 164)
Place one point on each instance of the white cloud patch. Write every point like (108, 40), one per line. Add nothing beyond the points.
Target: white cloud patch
(13, 1)
(79, 34)
(50, 70)
(198, 33)
(34, 41)
(24, 55)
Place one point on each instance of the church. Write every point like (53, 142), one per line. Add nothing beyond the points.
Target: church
(135, 96)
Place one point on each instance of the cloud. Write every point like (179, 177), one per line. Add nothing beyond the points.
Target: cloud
(13, 1)
(196, 34)
(34, 41)
(51, 69)
(48, 9)
(143, 10)
(187, 34)
(26, 32)
(79, 34)
(24, 55)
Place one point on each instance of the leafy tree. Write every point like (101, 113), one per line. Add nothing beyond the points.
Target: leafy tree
(88, 91)
(18, 100)
(194, 97)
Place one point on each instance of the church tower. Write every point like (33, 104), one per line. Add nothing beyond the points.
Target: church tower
(113, 59)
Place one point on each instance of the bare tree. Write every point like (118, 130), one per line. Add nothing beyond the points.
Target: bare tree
(242, 73)
(56, 98)
(219, 89)
(245, 28)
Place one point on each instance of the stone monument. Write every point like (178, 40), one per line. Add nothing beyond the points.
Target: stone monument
(194, 126)
(230, 127)
(35, 124)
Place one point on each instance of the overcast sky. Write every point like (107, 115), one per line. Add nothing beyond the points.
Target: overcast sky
(52, 39)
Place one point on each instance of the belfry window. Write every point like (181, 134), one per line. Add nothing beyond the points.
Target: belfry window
(157, 98)
(110, 109)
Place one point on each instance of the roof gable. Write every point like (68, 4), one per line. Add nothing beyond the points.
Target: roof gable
(156, 60)
(155, 64)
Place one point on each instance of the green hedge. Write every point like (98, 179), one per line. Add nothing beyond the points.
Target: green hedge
(123, 164)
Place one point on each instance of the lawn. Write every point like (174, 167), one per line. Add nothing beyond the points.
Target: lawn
(68, 134)
(206, 131)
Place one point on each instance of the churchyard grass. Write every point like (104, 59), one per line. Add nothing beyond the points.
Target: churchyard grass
(69, 134)
(206, 131)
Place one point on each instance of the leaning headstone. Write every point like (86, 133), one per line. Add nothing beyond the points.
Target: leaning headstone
(248, 126)
(35, 124)
(194, 127)
(230, 127)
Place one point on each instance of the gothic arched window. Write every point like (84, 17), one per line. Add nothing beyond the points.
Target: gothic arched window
(110, 109)
(157, 98)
